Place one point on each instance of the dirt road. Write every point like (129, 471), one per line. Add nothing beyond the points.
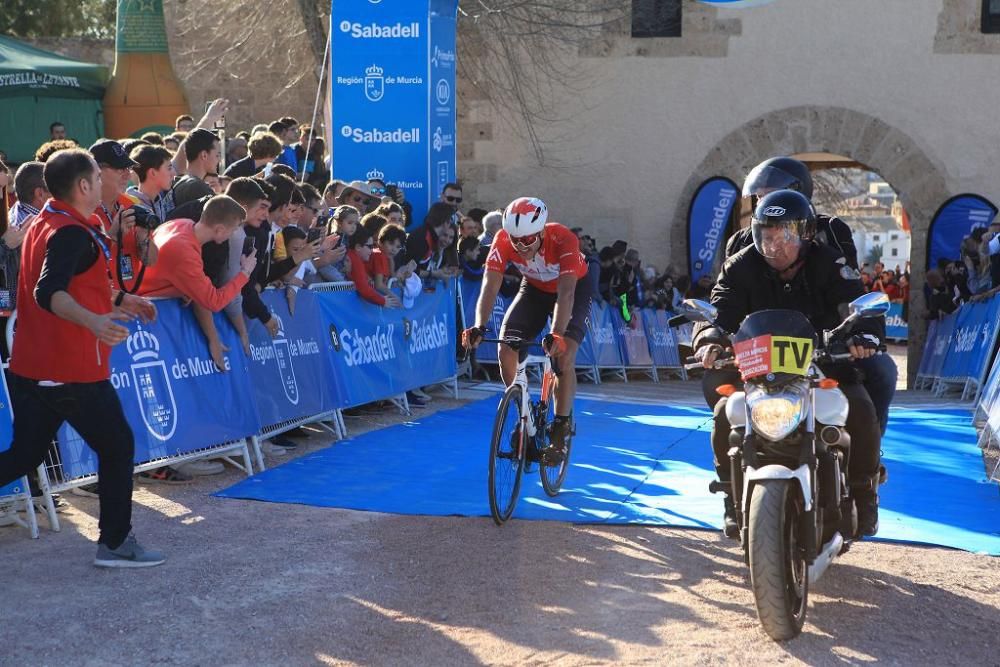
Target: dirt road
(252, 583)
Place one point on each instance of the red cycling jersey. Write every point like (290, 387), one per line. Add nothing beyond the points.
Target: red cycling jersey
(560, 254)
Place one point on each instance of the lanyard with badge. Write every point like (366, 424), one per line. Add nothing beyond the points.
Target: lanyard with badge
(123, 262)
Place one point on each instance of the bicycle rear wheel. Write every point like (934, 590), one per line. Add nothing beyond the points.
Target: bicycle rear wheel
(507, 453)
(554, 476)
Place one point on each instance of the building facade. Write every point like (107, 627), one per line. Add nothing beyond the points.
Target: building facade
(901, 86)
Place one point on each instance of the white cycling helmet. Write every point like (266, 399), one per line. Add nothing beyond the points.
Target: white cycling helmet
(525, 216)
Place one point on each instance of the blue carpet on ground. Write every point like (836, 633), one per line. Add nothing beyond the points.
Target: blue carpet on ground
(631, 464)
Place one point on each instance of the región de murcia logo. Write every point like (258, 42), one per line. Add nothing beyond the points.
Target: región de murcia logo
(152, 385)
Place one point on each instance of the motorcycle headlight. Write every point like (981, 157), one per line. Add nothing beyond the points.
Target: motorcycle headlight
(775, 415)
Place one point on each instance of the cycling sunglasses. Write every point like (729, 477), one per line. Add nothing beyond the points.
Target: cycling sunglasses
(525, 241)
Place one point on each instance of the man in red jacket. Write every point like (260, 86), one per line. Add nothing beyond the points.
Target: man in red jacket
(60, 366)
(180, 270)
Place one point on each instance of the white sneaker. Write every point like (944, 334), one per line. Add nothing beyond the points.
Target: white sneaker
(202, 468)
(272, 449)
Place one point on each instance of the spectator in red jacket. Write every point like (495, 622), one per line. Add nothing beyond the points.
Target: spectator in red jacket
(359, 252)
(180, 271)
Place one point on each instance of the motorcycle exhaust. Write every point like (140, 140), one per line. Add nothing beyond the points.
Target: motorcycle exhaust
(825, 557)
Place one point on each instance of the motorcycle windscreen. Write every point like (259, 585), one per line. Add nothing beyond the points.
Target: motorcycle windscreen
(773, 342)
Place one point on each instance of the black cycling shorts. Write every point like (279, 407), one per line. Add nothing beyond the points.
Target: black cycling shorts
(532, 308)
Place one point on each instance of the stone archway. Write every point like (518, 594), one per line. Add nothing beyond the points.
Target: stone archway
(913, 174)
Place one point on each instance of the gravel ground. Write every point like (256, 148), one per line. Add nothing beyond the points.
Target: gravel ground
(250, 583)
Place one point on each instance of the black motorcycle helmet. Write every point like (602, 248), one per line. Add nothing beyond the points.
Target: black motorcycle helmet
(778, 173)
(785, 209)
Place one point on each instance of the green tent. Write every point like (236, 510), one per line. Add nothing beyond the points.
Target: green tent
(38, 88)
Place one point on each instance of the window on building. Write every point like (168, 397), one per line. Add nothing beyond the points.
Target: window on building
(895, 252)
(876, 238)
(893, 237)
(991, 16)
(656, 18)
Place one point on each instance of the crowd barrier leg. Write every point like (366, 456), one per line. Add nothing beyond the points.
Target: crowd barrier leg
(45, 486)
(24, 496)
(244, 452)
(402, 403)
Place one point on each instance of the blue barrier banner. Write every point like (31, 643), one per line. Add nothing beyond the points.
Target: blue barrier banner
(925, 359)
(392, 68)
(290, 372)
(603, 338)
(972, 340)
(662, 345)
(377, 352)
(6, 439)
(708, 218)
(895, 326)
(942, 342)
(953, 222)
(174, 398)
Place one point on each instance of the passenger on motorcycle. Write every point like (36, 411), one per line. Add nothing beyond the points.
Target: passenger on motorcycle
(786, 173)
(786, 268)
(554, 284)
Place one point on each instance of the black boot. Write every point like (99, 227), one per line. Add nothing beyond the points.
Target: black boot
(730, 524)
(867, 515)
(865, 492)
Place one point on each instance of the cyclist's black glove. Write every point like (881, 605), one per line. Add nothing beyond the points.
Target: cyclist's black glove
(472, 336)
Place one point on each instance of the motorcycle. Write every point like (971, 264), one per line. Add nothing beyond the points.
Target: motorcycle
(789, 454)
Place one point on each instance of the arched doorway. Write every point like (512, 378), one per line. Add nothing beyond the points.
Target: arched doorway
(918, 179)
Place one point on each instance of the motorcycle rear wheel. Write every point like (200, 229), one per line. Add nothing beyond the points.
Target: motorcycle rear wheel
(779, 575)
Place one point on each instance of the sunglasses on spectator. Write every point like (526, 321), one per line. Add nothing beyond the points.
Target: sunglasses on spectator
(525, 241)
(453, 200)
(377, 190)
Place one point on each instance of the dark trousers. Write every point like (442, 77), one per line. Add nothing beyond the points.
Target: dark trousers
(93, 409)
(862, 424)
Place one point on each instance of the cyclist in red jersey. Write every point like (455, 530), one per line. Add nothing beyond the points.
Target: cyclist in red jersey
(554, 284)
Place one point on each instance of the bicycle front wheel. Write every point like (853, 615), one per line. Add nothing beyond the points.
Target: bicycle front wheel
(507, 454)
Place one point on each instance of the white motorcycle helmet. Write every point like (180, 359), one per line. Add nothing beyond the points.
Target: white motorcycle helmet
(525, 216)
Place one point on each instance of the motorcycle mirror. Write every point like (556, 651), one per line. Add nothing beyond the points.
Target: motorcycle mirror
(697, 310)
(872, 304)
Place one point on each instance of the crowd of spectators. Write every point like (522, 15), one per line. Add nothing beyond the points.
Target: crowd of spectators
(973, 276)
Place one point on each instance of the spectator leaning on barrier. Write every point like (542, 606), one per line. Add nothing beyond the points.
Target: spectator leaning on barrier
(60, 368)
(382, 264)
(359, 252)
(180, 271)
(343, 224)
(264, 147)
(280, 190)
(471, 258)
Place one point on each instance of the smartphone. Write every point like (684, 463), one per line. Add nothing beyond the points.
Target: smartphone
(315, 234)
(220, 124)
(248, 245)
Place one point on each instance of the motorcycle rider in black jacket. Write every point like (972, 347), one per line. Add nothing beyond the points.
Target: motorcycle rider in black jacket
(781, 173)
(786, 268)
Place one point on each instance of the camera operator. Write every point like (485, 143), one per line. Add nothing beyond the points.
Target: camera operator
(116, 215)
(60, 367)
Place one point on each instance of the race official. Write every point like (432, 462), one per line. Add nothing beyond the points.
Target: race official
(68, 320)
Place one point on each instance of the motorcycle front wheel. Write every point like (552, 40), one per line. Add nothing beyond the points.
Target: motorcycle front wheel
(779, 575)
